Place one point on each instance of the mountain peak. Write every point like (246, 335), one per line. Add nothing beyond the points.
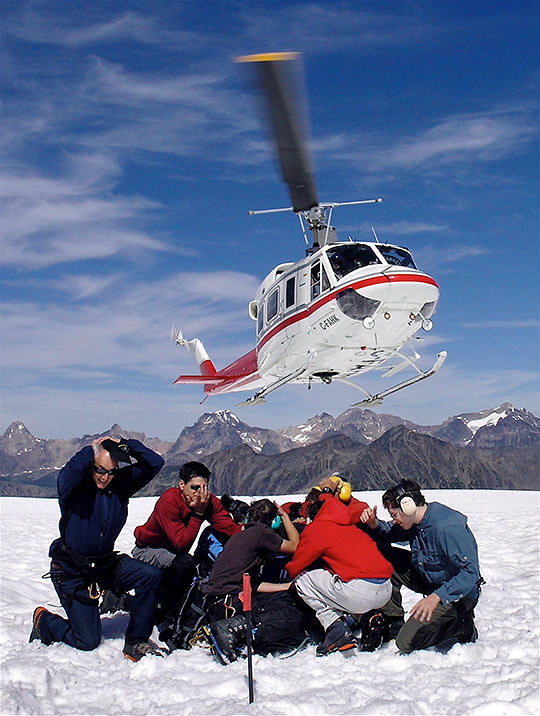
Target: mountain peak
(17, 428)
(116, 429)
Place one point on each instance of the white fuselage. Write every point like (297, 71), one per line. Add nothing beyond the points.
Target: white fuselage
(339, 312)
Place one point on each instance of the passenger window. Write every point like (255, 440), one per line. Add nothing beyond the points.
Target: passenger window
(272, 305)
(260, 317)
(290, 292)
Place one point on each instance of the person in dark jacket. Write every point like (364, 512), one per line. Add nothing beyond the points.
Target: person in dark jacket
(246, 552)
(94, 488)
(442, 565)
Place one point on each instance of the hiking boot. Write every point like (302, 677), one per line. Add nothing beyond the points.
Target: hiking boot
(36, 633)
(112, 603)
(392, 627)
(338, 638)
(373, 627)
(470, 632)
(227, 635)
(135, 652)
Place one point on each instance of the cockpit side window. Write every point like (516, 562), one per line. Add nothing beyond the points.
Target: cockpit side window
(349, 257)
(315, 282)
(325, 283)
(396, 256)
(319, 280)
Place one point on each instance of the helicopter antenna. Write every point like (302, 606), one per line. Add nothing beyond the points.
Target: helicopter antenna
(375, 235)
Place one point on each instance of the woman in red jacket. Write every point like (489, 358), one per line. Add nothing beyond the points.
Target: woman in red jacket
(354, 578)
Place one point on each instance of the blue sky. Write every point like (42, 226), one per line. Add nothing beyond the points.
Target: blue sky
(133, 150)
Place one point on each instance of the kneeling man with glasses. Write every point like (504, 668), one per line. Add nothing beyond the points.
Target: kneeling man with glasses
(94, 488)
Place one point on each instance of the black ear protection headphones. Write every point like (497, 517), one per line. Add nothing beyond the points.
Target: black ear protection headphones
(405, 501)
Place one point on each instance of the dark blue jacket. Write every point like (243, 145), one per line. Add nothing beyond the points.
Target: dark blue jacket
(443, 548)
(92, 518)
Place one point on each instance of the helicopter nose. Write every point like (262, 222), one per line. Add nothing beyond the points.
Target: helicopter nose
(413, 292)
(405, 294)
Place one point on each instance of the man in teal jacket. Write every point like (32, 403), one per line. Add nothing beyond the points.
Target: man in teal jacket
(442, 564)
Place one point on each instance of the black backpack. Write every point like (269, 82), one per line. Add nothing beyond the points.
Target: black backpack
(279, 624)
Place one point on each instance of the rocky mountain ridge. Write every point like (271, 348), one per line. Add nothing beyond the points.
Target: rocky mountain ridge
(496, 447)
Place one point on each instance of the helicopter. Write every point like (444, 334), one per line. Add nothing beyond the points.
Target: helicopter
(346, 308)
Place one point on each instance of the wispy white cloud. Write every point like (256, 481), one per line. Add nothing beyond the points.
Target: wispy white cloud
(336, 26)
(443, 258)
(455, 139)
(528, 323)
(81, 288)
(410, 227)
(64, 29)
(116, 324)
(49, 220)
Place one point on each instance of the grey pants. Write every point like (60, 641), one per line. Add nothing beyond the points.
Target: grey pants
(157, 556)
(330, 597)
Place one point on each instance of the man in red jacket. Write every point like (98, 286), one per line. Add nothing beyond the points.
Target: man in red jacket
(354, 578)
(169, 533)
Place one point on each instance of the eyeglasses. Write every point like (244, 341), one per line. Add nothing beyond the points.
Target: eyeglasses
(103, 471)
(195, 487)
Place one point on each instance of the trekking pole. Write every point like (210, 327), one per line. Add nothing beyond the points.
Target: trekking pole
(246, 601)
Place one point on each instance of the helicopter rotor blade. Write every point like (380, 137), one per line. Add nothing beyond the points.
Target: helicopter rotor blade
(279, 78)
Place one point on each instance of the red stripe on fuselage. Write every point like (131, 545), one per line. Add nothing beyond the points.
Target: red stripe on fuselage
(418, 278)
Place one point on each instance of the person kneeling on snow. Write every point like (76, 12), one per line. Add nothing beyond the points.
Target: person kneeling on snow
(442, 565)
(354, 578)
(278, 622)
(94, 492)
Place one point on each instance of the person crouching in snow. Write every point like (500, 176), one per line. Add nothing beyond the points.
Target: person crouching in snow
(354, 580)
(442, 564)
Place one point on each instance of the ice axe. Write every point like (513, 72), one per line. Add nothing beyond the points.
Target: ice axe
(245, 597)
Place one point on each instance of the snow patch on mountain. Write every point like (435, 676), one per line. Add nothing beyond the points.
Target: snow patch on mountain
(490, 419)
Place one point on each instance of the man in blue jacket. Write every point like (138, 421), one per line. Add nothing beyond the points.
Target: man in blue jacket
(442, 564)
(94, 488)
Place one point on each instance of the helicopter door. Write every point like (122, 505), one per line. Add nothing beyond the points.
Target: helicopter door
(319, 281)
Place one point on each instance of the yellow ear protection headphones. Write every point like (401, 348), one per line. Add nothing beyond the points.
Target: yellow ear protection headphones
(405, 501)
(342, 489)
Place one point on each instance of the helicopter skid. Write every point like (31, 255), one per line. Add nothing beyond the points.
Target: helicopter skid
(260, 396)
(378, 398)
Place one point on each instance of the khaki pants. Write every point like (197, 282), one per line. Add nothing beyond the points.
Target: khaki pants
(450, 623)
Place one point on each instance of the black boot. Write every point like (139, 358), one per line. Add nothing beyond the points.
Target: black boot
(227, 635)
(112, 603)
(373, 628)
(392, 627)
(338, 638)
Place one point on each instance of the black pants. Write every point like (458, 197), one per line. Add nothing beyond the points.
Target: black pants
(450, 623)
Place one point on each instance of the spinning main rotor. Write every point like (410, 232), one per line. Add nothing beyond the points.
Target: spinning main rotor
(279, 79)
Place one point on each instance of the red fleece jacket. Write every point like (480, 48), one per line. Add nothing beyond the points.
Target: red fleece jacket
(175, 527)
(345, 549)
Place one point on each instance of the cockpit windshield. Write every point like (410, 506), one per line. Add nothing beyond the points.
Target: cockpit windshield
(396, 256)
(349, 257)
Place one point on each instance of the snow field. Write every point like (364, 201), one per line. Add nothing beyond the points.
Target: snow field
(499, 674)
